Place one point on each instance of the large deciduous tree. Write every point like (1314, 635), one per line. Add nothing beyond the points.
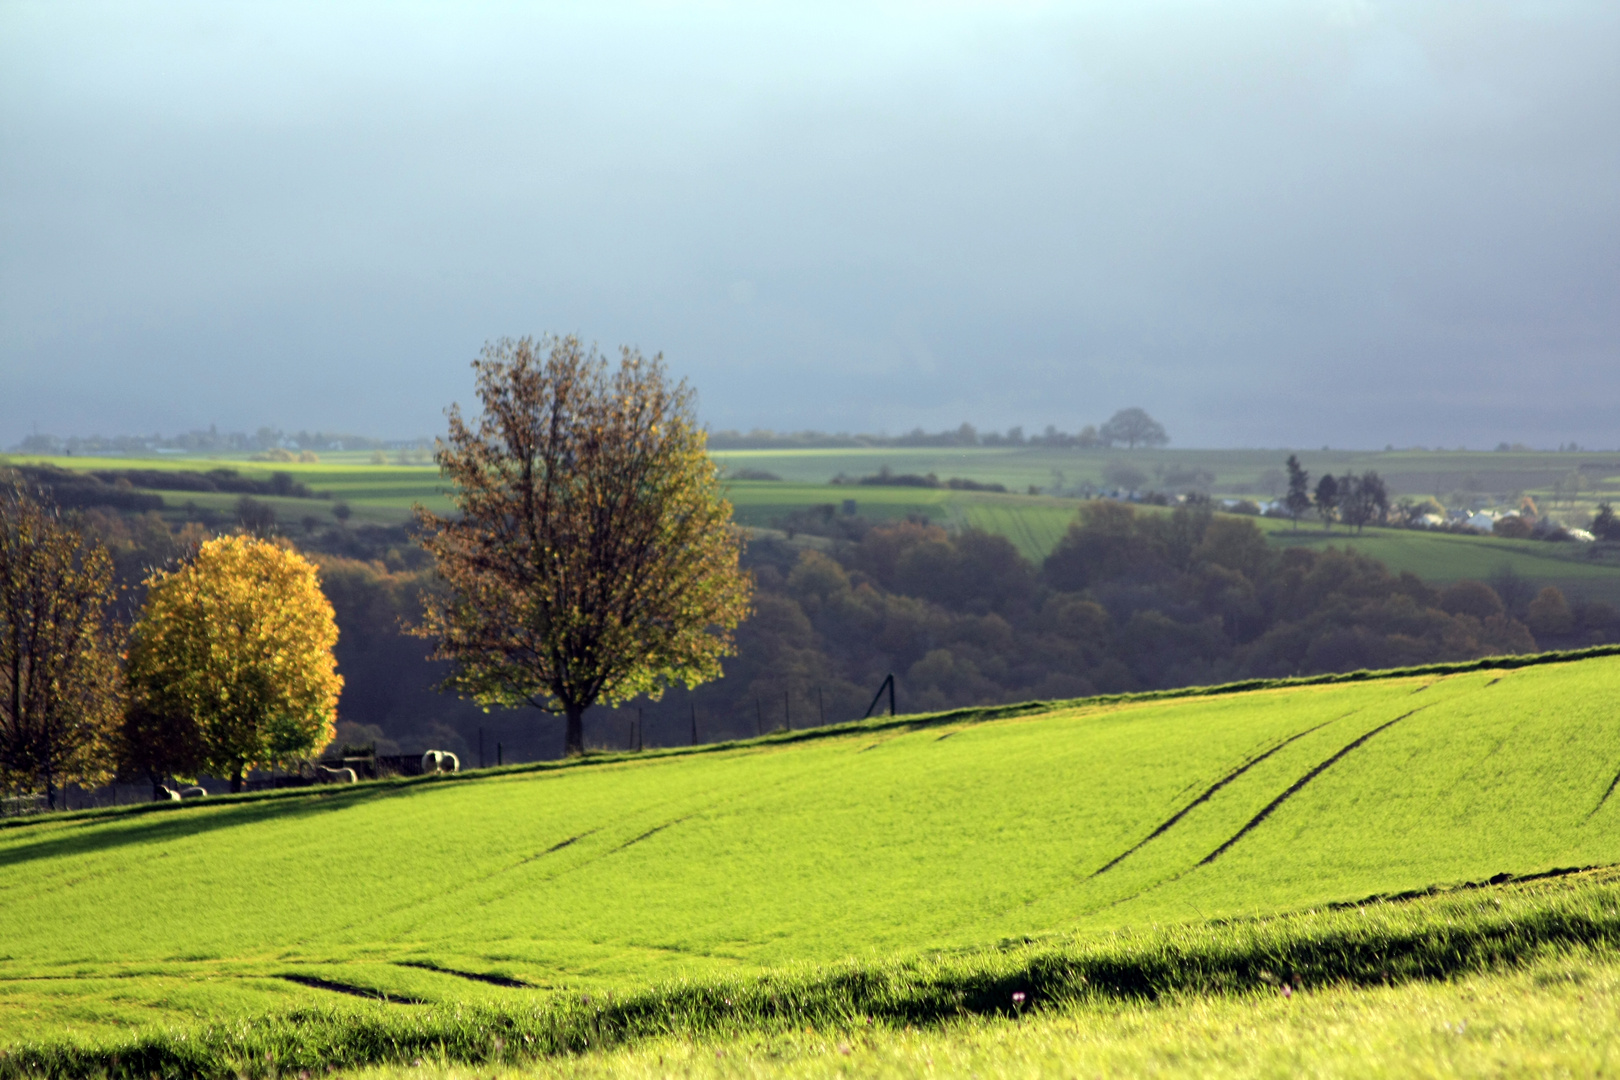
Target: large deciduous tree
(60, 684)
(231, 660)
(592, 557)
(1133, 427)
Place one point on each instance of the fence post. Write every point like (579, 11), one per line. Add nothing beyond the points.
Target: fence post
(888, 684)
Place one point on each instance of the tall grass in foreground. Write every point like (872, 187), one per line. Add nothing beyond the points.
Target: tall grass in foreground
(1376, 943)
(1554, 1017)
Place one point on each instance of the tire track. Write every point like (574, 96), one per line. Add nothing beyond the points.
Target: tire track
(1607, 792)
(1208, 792)
(1295, 787)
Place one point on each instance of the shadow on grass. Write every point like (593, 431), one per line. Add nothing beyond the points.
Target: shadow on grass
(1477, 929)
(94, 835)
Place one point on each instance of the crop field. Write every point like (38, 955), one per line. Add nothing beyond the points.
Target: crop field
(1054, 826)
(1229, 472)
(384, 494)
(1445, 557)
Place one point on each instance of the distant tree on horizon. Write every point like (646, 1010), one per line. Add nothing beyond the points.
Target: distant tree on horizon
(1363, 499)
(1605, 524)
(1298, 499)
(1133, 427)
(1327, 499)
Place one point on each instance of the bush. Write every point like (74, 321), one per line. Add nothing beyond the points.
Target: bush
(1550, 614)
(1471, 598)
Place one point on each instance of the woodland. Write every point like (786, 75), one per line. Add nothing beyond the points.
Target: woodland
(1131, 599)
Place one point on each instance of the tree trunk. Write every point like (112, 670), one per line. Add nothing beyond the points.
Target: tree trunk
(574, 734)
(236, 779)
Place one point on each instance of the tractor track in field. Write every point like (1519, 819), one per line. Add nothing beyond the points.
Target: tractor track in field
(1606, 793)
(475, 976)
(1298, 785)
(1208, 792)
(315, 982)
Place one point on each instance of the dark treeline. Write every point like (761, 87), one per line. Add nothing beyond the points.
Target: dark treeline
(1131, 599)
(1128, 427)
(211, 441)
(115, 488)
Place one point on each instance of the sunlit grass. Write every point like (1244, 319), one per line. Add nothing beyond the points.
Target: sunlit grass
(881, 841)
(1554, 1018)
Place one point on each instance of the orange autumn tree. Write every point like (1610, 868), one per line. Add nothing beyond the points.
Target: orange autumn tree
(233, 655)
(591, 556)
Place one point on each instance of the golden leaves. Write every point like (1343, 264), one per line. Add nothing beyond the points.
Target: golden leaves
(238, 641)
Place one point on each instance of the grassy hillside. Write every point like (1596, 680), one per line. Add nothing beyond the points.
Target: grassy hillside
(886, 839)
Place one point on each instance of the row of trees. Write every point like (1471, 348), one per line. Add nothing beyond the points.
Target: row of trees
(1357, 500)
(1130, 428)
(590, 558)
(227, 667)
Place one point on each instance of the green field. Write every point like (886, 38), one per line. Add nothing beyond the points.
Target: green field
(927, 836)
(384, 494)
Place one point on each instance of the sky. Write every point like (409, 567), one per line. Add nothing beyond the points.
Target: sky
(1269, 224)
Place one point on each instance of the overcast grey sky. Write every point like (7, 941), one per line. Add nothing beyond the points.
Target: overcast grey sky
(1269, 224)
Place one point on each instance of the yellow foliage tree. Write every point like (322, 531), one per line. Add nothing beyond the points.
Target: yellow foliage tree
(237, 643)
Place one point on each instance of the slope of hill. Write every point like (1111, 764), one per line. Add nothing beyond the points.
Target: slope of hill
(881, 839)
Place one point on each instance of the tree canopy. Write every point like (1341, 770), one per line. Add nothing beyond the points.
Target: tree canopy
(236, 646)
(1298, 499)
(592, 556)
(60, 684)
(1133, 427)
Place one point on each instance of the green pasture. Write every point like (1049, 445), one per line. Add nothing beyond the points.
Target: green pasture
(920, 836)
(1445, 557)
(384, 494)
(1234, 472)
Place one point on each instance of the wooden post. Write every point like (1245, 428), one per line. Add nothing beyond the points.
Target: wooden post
(499, 758)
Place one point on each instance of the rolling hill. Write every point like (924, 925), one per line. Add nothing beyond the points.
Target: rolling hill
(888, 838)
(383, 495)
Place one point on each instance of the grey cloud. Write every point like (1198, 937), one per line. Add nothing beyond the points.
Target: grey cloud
(1270, 224)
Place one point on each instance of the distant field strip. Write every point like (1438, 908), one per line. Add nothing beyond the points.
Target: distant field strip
(384, 494)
